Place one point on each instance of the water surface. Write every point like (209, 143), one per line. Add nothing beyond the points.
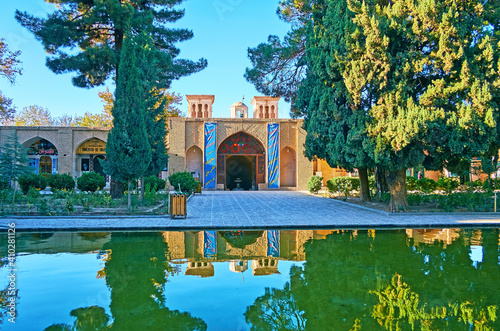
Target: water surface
(434, 279)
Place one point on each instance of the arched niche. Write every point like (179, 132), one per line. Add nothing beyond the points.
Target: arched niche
(288, 167)
(194, 162)
(43, 155)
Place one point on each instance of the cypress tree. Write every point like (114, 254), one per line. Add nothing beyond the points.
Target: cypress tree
(128, 151)
(13, 161)
(155, 102)
(336, 130)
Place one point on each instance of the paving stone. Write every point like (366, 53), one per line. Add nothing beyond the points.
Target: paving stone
(258, 209)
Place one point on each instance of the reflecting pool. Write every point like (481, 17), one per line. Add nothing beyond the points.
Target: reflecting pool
(432, 279)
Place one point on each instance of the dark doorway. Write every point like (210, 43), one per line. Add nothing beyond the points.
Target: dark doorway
(240, 172)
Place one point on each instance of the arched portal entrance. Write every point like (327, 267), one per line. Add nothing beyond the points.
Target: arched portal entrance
(43, 156)
(240, 162)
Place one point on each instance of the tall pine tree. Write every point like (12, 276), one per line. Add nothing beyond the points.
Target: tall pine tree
(128, 151)
(86, 37)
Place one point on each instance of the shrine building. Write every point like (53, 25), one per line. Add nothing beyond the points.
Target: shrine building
(255, 151)
(241, 152)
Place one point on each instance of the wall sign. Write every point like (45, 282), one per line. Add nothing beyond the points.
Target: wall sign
(210, 155)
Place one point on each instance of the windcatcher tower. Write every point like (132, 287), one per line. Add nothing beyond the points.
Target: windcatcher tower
(200, 106)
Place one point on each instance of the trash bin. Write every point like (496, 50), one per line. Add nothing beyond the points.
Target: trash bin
(198, 188)
(178, 205)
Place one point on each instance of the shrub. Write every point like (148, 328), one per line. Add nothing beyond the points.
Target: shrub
(32, 180)
(447, 184)
(61, 182)
(411, 183)
(414, 199)
(185, 180)
(33, 193)
(343, 184)
(4, 183)
(426, 185)
(314, 184)
(496, 183)
(477, 183)
(155, 183)
(470, 200)
(91, 182)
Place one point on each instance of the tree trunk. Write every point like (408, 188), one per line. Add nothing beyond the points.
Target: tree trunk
(116, 189)
(396, 180)
(380, 182)
(129, 197)
(14, 195)
(364, 186)
(142, 188)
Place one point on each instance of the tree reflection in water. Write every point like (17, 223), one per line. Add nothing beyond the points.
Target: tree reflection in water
(135, 272)
(275, 310)
(354, 281)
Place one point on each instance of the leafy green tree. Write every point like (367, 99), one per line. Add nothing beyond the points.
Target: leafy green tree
(33, 116)
(128, 150)
(433, 78)
(13, 161)
(489, 165)
(10, 67)
(86, 37)
(64, 120)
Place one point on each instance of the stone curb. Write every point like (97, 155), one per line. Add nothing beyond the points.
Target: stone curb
(386, 226)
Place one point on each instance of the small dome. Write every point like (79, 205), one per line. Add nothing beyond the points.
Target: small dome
(239, 104)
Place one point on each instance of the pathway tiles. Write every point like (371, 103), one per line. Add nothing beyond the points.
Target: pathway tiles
(258, 209)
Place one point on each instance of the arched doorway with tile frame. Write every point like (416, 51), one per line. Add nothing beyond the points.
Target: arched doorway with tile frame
(43, 156)
(241, 162)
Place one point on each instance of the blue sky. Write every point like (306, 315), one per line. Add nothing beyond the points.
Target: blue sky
(223, 30)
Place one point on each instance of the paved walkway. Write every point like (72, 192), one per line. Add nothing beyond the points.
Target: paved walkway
(258, 209)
